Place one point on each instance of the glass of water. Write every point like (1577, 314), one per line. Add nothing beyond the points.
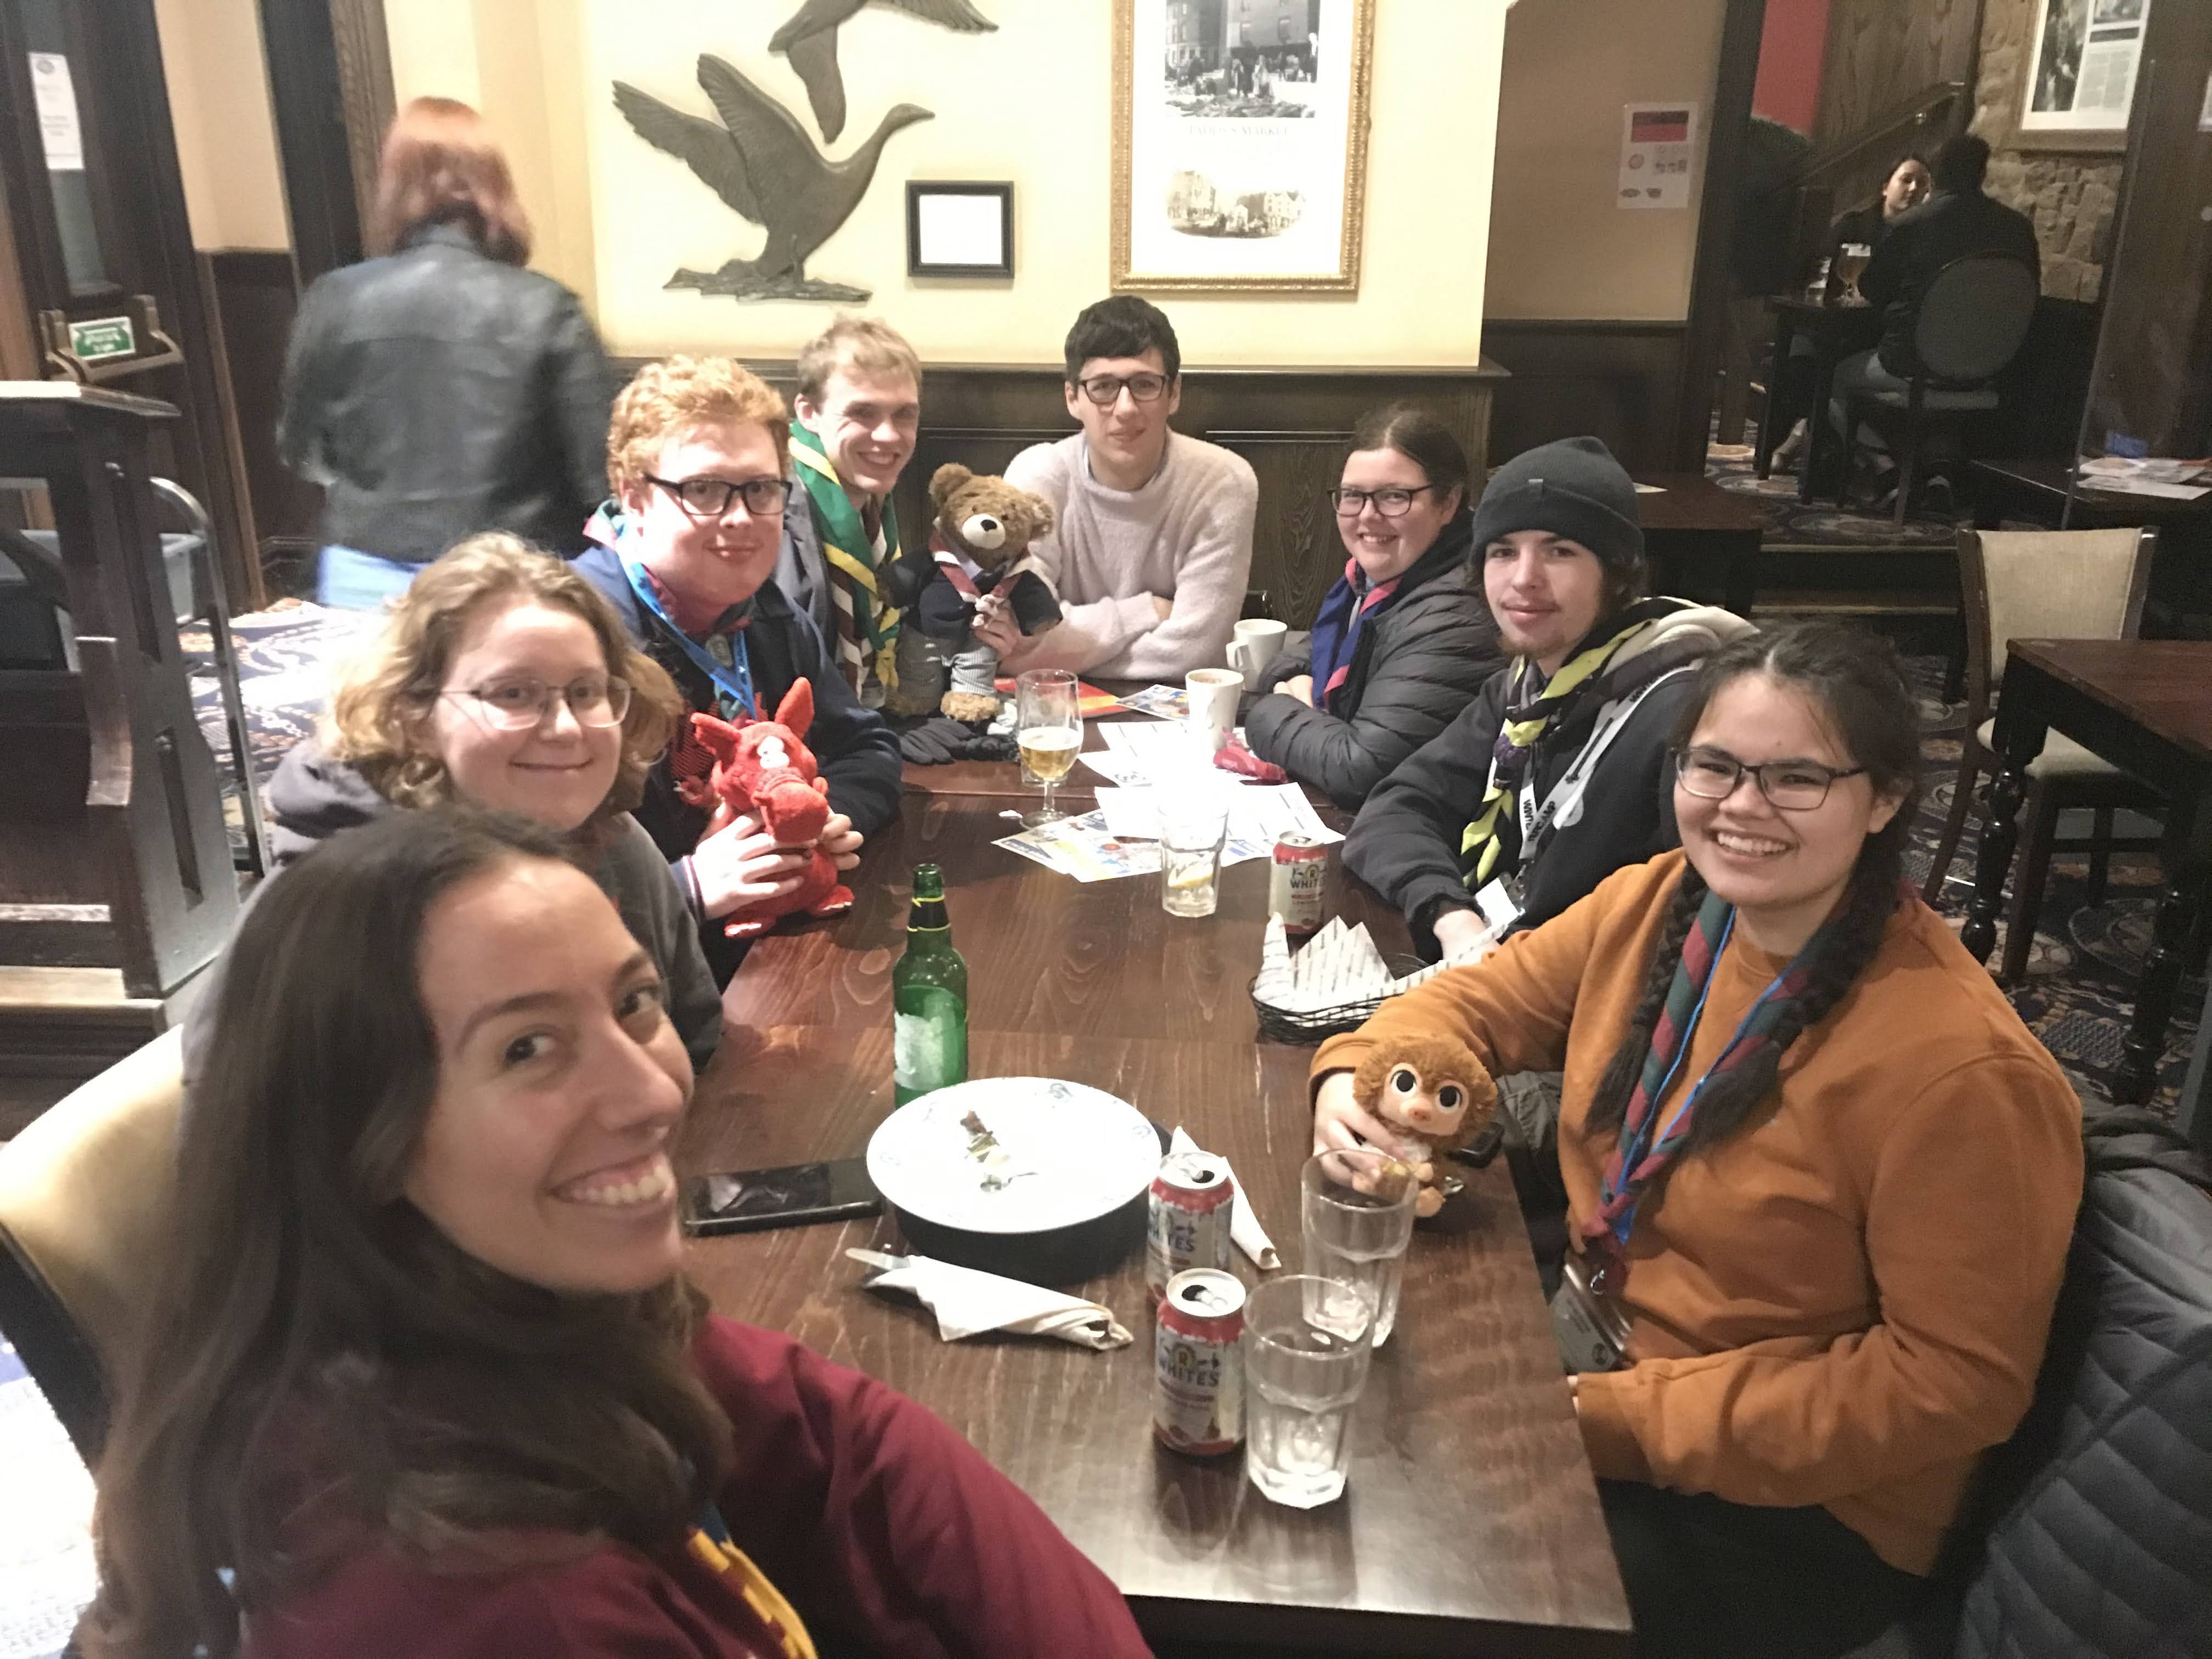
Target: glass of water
(1356, 1210)
(1302, 1378)
(1193, 826)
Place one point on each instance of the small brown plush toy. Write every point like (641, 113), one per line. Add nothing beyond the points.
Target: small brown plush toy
(1432, 1090)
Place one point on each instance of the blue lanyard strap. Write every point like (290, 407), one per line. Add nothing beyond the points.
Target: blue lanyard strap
(734, 680)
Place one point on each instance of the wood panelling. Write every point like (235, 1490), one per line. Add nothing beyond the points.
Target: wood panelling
(1882, 52)
(1615, 381)
(255, 296)
(308, 91)
(1292, 425)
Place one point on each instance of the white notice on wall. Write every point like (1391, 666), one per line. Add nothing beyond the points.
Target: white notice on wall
(960, 230)
(1654, 155)
(55, 98)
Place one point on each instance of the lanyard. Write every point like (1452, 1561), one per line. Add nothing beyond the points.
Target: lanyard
(734, 680)
(1566, 795)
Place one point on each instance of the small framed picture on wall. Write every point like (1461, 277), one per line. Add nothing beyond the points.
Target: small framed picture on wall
(959, 230)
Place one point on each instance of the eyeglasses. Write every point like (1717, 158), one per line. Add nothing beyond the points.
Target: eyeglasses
(1392, 503)
(518, 705)
(1793, 786)
(1105, 390)
(710, 498)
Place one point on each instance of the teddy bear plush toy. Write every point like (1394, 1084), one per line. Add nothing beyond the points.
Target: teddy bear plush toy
(764, 768)
(1431, 1089)
(978, 546)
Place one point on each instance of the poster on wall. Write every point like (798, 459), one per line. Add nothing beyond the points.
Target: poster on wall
(1656, 152)
(1240, 143)
(2080, 74)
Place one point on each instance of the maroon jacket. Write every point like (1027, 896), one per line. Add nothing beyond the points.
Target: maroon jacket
(886, 1531)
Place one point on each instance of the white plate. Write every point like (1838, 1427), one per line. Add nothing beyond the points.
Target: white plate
(1073, 1153)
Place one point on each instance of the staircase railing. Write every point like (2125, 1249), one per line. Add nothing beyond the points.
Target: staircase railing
(1881, 134)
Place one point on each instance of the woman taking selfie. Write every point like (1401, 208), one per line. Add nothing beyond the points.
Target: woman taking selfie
(1402, 642)
(1818, 1176)
(501, 680)
(425, 1376)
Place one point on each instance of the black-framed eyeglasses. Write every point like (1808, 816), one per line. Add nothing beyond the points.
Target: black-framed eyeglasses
(1793, 786)
(710, 498)
(1105, 390)
(1394, 502)
(518, 705)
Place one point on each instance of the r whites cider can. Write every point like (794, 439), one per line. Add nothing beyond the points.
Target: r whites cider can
(1198, 1362)
(1294, 882)
(929, 997)
(1187, 1217)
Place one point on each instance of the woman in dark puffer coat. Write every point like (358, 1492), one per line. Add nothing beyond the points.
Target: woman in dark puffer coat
(1403, 642)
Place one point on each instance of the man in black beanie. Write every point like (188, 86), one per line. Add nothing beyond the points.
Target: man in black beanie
(1557, 773)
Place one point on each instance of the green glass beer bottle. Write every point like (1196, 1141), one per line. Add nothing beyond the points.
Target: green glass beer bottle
(929, 997)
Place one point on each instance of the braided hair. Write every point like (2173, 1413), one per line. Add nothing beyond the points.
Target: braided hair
(1856, 681)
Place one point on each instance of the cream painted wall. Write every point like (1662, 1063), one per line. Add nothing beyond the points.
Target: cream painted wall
(1030, 102)
(226, 130)
(1559, 246)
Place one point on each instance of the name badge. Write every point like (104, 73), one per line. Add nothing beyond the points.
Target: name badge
(1591, 1334)
(1498, 899)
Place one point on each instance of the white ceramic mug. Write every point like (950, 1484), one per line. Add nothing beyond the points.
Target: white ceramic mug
(1213, 693)
(1257, 642)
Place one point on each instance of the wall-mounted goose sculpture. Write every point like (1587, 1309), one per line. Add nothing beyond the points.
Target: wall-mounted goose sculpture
(810, 41)
(762, 165)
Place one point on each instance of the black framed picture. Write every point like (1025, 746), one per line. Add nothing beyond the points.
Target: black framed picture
(959, 230)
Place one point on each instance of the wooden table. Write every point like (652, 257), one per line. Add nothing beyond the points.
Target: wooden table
(2037, 489)
(1702, 541)
(1471, 1523)
(2145, 706)
(1836, 331)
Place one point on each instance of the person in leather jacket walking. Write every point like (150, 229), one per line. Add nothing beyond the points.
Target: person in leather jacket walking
(441, 389)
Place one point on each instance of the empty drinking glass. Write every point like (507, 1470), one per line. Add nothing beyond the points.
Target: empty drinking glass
(1194, 823)
(1302, 1376)
(1356, 1210)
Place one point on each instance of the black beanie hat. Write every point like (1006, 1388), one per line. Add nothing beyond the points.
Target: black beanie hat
(1572, 488)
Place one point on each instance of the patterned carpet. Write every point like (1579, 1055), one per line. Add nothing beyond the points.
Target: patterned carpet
(1820, 526)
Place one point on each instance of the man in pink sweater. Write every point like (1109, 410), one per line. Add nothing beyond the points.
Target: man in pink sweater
(1154, 538)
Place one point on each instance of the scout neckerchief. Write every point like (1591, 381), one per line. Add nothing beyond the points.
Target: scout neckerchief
(723, 659)
(959, 571)
(1646, 1147)
(1344, 613)
(1527, 712)
(866, 626)
(710, 1546)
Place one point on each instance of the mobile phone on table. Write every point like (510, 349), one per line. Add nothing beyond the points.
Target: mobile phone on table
(743, 1200)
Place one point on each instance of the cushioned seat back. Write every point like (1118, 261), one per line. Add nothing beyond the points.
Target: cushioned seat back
(2104, 1540)
(2059, 585)
(84, 1201)
(1973, 316)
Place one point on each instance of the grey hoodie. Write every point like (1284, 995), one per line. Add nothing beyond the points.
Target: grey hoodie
(312, 798)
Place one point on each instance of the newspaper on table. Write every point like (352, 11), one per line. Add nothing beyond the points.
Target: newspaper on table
(1338, 968)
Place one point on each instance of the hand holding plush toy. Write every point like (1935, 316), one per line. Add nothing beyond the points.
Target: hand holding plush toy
(763, 767)
(1431, 1089)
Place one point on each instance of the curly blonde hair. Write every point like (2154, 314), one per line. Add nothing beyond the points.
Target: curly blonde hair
(380, 697)
(676, 395)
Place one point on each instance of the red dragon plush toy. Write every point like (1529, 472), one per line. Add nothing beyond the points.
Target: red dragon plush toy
(763, 767)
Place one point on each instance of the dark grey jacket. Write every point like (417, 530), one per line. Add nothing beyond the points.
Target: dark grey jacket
(1406, 842)
(1922, 241)
(313, 798)
(1418, 664)
(436, 392)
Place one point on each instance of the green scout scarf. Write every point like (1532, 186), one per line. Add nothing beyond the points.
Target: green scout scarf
(864, 622)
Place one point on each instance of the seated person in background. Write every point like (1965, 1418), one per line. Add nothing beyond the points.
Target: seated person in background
(1957, 220)
(500, 679)
(1556, 774)
(1404, 639)
(424, 1376)
(1153, 542)
(697, 453)
(1869, 1168)
(858, 414)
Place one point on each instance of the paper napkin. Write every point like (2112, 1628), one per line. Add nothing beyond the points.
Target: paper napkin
(967, 1301)
(1244, 1228)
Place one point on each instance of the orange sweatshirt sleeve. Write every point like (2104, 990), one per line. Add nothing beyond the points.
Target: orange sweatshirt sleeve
(1969, 1215)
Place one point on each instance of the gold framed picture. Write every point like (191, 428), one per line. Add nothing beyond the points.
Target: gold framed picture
(2079, 81)
(1240, 144)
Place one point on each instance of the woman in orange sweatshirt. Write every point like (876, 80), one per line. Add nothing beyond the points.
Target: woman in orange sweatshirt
(1813, 1163)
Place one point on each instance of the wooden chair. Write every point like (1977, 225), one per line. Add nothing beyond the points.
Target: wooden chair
(1971, 320)
(84, 1204)
(2024, 584)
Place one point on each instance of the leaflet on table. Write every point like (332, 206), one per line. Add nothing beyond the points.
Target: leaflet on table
(1085, 848)
(1089, 699)
(1161, 752)
(1261, 813)
(1167, 702)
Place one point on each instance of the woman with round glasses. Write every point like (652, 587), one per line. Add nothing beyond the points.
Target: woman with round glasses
(1402, 642)
(502, 679)
(1820, 1180)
